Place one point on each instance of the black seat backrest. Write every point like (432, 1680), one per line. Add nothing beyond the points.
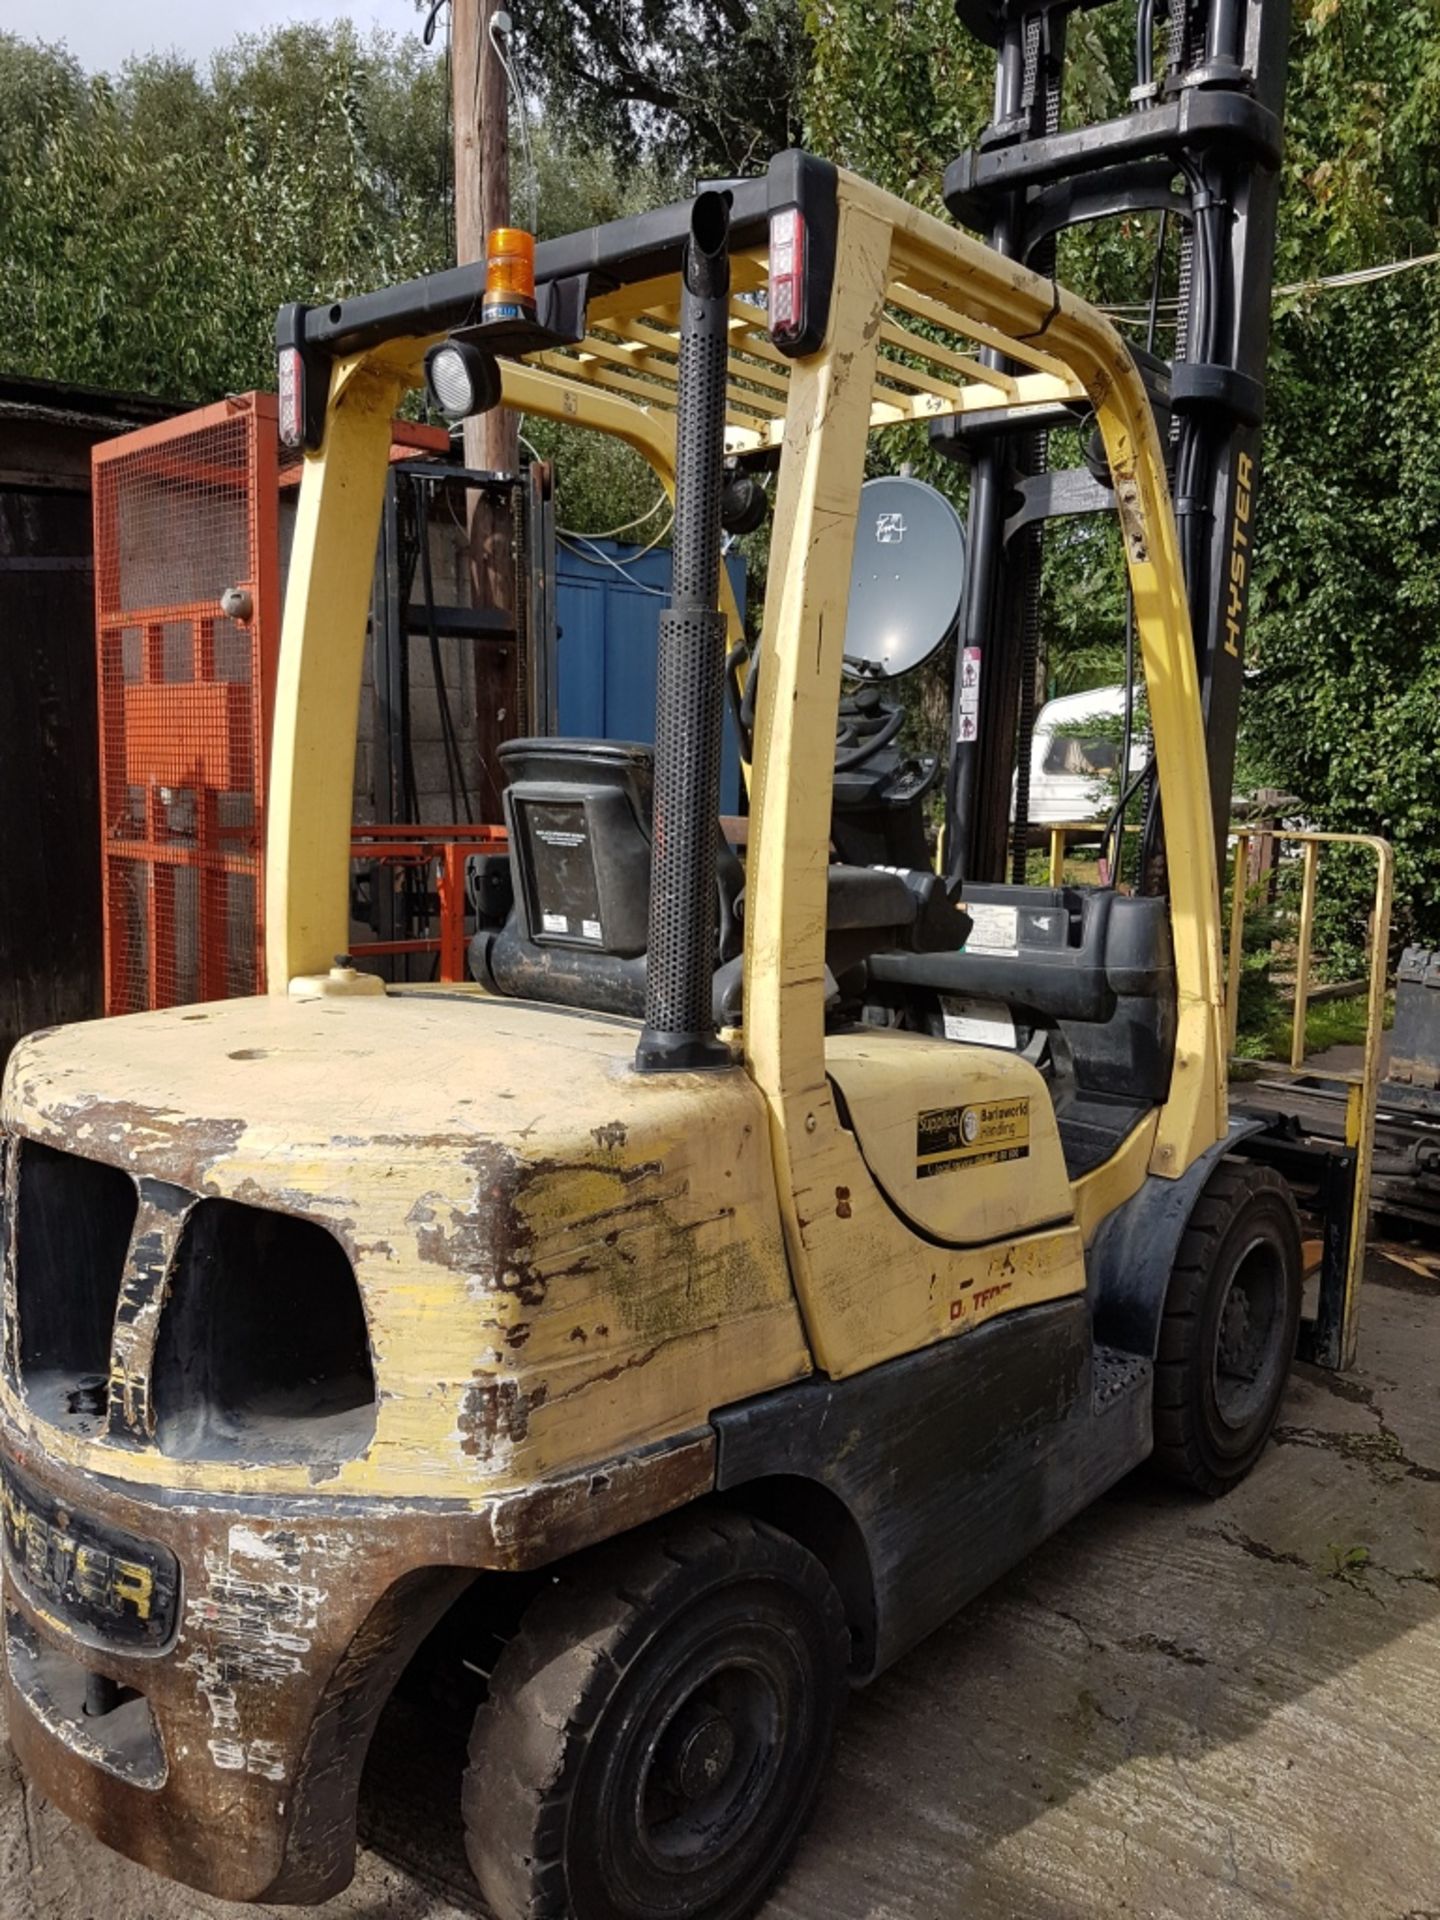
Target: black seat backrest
(580, 819)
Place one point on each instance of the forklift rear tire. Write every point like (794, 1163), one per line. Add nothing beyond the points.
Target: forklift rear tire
(1232, 1316)
(656, 1731)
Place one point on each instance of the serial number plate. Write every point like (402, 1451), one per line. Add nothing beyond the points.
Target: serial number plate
(100, 1580)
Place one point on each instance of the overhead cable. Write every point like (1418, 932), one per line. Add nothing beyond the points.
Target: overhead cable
(1357, 277)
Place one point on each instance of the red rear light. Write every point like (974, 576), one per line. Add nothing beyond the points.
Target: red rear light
(292, 397)
(787, 275)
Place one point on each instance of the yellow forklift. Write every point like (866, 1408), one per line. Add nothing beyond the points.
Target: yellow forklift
(680, 1301)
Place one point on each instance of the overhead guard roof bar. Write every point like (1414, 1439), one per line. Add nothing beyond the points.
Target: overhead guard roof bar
(918, 376)
(928, 368)
(619, 254)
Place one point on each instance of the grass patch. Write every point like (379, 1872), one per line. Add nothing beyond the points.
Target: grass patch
(1329, 1023)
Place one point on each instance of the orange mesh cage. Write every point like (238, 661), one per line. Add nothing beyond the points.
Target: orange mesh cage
(186, 518)
(184, 513)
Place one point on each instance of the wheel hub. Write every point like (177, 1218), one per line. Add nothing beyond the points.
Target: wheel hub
(1235, 1331)
(1247, 1356)
(702, 1753)
(699, 1752)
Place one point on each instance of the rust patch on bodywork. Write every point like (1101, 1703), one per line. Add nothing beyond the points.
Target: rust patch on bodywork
(495, 1413)
(159, 1223)
(175, 1147)
(9, 1300)
(1132, 517)
(256, 1632)
(486, 1241)
(559, 1516)
(298, 1622)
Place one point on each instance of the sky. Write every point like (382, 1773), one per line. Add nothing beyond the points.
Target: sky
(103, 33)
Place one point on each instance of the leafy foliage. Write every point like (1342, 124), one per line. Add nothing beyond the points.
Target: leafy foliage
(895, 91)
(151, 224)
(1344, 712)
(714, 85)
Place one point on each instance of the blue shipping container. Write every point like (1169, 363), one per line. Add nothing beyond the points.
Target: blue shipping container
(609, 624)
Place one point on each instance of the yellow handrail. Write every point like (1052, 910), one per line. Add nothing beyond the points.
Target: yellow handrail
(1362, 1089)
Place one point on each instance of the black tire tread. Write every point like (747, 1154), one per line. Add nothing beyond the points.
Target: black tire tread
(527, 1742)
(1233, 1183)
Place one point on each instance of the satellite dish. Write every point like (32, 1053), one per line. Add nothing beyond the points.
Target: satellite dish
(906, 578)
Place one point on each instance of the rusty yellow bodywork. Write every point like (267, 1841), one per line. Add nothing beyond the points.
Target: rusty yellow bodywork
(551, 1250)
(566, 1267)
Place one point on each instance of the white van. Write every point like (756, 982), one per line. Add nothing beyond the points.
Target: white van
(1072, 772)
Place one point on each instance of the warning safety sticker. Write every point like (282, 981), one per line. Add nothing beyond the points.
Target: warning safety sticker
(993, 930)
(973, 1136)
(968, 729)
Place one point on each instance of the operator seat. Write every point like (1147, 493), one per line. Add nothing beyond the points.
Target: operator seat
(580, 819)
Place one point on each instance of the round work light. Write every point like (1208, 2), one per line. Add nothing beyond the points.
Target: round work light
(461, 379)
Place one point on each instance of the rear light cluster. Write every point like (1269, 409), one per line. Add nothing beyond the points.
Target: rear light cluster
(787, 275)
(292, 397)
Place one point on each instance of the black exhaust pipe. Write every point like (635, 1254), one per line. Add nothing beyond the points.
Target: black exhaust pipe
(679, 1022)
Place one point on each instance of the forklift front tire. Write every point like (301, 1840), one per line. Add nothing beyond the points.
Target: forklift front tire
(1232, 1315)
(656, 1731)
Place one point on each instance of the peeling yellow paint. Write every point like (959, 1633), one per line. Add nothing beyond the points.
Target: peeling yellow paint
(536, 1300)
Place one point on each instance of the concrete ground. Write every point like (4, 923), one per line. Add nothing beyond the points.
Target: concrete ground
(1175, 1711)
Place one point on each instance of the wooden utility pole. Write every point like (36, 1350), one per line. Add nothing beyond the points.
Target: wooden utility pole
(482, 201)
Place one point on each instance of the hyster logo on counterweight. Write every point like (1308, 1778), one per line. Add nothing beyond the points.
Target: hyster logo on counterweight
(1239, 555)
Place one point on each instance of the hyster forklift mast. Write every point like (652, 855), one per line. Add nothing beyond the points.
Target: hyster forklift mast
(1199, 147)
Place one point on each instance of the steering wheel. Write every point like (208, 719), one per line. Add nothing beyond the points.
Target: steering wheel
(857, 736)
(867, 729)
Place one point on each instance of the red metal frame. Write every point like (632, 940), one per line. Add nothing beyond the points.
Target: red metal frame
(449, 848)
(184, 510)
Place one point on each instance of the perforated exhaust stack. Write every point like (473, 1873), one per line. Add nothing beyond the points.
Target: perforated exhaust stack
(679, 1023)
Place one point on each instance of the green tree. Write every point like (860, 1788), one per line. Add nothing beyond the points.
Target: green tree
(714, 87)
(1344, 711)
(151, 223)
